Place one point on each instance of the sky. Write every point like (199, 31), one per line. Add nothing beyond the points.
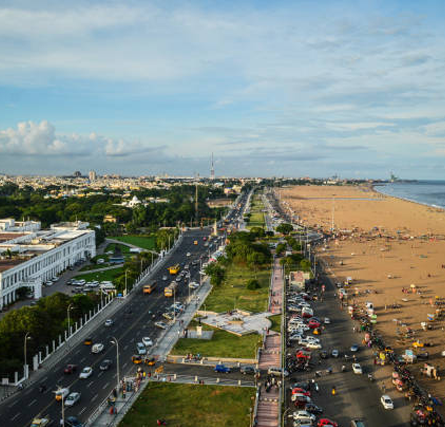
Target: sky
(272, 88)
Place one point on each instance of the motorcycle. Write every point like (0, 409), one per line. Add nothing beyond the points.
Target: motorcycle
(370, 377)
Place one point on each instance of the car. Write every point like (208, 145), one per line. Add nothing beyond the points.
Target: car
(222, 369)
(72, 398)
(335, 353)
(88, 341)
(312, 408)
(168, 316)
(193, 285)
(161, 325)
(313, 345)
(324, 354)
(70, 369)
(327, 321)
(62, 393)
(298, 390)
(164, 278)
(86, 372)
(178, 279)
(354, 348)
(303, 385)
(303, 416)
(278, 372)
(248, 369)
(97, 348)
(105, 365)
(147, 341)
(356, 368)
(188, 254)
(72, 421)
(326, 422)
(314, 324)
(136, 359)
(140, 347)
(108, 322)
(387, 402)
(48, 283)
(300, 400)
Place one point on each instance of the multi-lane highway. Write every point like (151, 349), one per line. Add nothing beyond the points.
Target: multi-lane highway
(133, 321)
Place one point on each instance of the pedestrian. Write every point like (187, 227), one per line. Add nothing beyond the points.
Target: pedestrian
(383, 387)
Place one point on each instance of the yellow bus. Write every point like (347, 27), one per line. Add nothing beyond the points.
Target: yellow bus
(174, 269)
(148, 289)
(170, 290)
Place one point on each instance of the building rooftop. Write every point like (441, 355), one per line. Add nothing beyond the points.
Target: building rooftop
(6, 264)
(6, 237)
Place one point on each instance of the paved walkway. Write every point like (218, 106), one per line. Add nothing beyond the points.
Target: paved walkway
(270, 356)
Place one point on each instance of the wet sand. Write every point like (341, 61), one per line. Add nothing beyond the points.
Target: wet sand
(387, 245)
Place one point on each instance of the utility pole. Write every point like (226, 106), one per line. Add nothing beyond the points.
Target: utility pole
(196, 203)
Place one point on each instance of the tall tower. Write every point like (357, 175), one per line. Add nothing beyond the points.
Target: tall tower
(212, 170)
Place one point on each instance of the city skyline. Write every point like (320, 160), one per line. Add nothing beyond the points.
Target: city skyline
(282, 89)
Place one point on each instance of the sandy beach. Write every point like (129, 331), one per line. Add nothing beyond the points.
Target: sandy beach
(389, 247)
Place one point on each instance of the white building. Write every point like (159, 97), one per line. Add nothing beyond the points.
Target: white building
(30, 257)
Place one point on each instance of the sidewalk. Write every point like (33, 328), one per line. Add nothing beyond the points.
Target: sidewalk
(268, 412)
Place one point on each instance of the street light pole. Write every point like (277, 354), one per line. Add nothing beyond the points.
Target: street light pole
(27, 337)
(126, 290)
(68, 309)
(116, 343)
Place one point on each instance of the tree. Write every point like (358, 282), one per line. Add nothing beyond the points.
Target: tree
(252, 284)
(285, 228)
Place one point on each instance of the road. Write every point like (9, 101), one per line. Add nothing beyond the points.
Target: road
(356, 396)
(131, 323)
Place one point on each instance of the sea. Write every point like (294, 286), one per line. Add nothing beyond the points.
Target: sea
(431, 193)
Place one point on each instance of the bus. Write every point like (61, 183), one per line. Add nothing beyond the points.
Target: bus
(170, 290)
(174, 269)
(149, 288)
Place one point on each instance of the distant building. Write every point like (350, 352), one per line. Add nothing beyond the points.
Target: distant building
(92, 176)
(30, 256)
(77, 174)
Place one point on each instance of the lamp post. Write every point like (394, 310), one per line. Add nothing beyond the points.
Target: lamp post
(27, 337)
(68, 309)
(59, 390)
(126, 290)
(115, 342)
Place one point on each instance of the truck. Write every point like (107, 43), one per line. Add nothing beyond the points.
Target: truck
(149, 288)
(42, 421)
(170, 290)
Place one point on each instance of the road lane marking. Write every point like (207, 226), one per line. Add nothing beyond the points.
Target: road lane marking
(15, 416)
(82, 411)
(126, 347)
(90, 384)
(32, 403)
(105, 386)
(100, 374)
(125, 365)
(94, 398)
(83, 360)
(44, 379)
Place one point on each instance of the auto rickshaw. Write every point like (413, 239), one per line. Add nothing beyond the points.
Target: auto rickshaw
(417, 344)
(136, 359)
(150, 362)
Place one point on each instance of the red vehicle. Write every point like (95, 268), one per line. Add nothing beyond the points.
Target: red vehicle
(326, 422)
(313, 324)
(204, 238)
(300, 400)
(70, 369)
(303, 355)
(301, 391)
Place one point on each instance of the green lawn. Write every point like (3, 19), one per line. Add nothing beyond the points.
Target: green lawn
(124, 249)
(94, 267)
(185, 405)
(101, 276)
(145, 242)
(256, 214)
(222, 344)
(276, 322)
(233, 293)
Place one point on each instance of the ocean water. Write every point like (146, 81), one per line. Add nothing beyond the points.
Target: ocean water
(430, 193)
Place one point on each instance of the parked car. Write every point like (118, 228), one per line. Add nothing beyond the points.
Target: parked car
(141, 348)
(303, 416)
(222, 369)
(326, 422)
(247, 369)
(72, 399)
(387, 402)
(86, 373)
(73, 422)
(313, 408)
(161, 325)
(278, 372)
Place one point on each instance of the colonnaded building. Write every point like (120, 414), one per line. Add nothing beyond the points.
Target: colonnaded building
(30, 256)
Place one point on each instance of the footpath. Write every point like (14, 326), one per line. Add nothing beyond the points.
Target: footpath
(268, 410)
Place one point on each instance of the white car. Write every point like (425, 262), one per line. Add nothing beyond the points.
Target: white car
(314, 345)
(327, 321)
(108, 322)
(97, 348)
(86, 373)
(141, 348)
(334, 353)
(100, 261)
(147, 341)
(48, 283)
(161, 325)
(189, 254)
(303, 417)
(356, 368)
(193, 285)
(164, 278)
(72, 399)
(387, 402)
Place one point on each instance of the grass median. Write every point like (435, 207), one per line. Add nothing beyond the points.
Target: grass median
(186, 405)
(101, 276)
(145, 242)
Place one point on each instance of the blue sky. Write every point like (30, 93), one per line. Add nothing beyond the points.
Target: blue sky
(293, 88)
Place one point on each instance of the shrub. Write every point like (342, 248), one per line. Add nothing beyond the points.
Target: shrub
(252, 284)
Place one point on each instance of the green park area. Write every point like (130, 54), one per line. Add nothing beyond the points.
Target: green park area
(145, 242)
(222, 344)
(256, 215)
(101, 276)
(232, 292)
(186, 405)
